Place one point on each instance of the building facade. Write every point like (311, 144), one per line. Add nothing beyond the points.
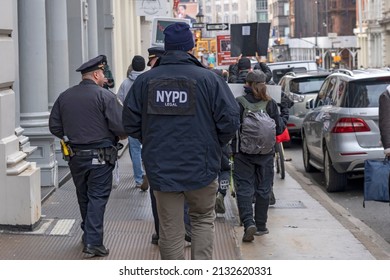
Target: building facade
(41, 45)
(279, 12)
(227, 11)
(373, 33)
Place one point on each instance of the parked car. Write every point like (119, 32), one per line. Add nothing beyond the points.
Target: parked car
(279, 69)
(300, 87)
(341, 129)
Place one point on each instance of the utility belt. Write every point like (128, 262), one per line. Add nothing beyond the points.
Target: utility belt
(107, 154)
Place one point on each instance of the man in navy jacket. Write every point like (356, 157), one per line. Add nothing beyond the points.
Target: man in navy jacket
(183, 114)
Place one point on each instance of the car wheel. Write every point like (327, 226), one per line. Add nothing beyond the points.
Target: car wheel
(334, 181)
(306, 157)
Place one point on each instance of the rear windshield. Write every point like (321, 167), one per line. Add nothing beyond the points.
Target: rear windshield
(365, 93)
(277, 74)
(306, 85)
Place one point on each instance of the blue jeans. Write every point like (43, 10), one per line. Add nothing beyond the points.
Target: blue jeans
(135, 155)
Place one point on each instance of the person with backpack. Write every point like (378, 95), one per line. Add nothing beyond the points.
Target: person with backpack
(237, 74)
(254, 148)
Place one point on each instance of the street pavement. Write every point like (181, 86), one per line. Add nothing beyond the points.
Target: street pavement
(304, 224)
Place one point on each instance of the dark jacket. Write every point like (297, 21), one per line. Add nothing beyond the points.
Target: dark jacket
(272, 111)
(238, 77)
(181, 138)
(89, 115)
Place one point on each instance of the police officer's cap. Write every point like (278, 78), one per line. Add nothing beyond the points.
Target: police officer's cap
(98, 62)
(155, 52)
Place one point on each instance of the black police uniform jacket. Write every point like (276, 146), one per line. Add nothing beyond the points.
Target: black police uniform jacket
(89, 115)
(183, 114)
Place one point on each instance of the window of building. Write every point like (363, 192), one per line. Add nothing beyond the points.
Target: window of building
(262, 17)
(261, 4)
(286, 31)
(286, 9)
(226, 7)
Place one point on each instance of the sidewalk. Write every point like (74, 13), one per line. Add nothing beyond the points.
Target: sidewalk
(301, 228)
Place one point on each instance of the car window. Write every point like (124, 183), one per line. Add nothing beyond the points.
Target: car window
(306, 85)
(321, 94)
(341, 89)
(328, 94)
(277, 74)
(365, 93)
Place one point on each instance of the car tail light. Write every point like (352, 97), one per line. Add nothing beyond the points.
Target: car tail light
(347, 125)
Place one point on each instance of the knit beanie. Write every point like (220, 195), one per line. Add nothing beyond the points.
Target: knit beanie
(138, 63)
(244, 64)
(178, 36)
(256, 76)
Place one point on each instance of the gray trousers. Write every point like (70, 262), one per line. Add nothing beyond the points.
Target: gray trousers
(201, 204)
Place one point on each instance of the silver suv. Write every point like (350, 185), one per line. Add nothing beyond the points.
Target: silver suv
(300, 87)
(341, 129)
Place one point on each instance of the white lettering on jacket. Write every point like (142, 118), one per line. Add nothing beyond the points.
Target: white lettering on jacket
(172, 97)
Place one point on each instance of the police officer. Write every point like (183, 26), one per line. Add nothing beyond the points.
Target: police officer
(154, 54)
(88, 118)
(183, 114)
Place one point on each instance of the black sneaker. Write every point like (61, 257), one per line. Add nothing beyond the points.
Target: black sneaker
(249, 233)
(260, 232)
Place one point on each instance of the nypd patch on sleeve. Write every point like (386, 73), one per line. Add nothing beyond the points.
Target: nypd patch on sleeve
(172, 97)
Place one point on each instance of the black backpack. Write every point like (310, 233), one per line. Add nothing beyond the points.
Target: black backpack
(258, 130)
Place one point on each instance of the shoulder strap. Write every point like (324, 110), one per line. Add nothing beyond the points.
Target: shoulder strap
(254, 107)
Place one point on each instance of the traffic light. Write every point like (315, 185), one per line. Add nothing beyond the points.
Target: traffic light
(198, 35)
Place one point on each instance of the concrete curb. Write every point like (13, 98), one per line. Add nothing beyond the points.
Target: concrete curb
(374, 243)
